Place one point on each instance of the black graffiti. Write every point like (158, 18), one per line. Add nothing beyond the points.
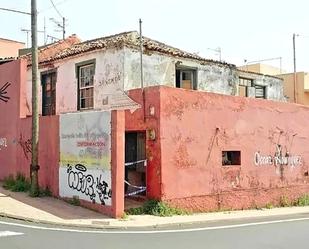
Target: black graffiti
(85, 183)
(3, 92)
(25, 145)
(102, 190)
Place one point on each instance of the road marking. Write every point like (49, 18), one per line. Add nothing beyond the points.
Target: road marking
(9, 233)
(153, 231)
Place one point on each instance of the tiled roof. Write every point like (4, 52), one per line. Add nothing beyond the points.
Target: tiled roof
(6, 59)
(129, 39)
(49, 51)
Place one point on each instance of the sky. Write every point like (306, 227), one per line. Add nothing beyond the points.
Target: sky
(243, 29)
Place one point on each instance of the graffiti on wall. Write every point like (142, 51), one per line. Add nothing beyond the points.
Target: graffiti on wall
(110, 81)
(85, 155)
(282, 142)
(3, 92)
(93, 187)
(3, 143)
(280, 158)
(25, 144)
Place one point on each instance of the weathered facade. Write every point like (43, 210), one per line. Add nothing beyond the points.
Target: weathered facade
(187, 136)
(115, 62)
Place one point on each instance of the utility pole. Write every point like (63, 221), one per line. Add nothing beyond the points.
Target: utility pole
(34, 167)
(295, 76)
(63, 28)
(141, 53)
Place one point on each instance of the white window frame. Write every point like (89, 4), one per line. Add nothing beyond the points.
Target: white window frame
(90, 86)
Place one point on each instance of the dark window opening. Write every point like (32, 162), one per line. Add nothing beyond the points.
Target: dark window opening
(135, 168)
(49, 93)
(186, 78)
(231, 158)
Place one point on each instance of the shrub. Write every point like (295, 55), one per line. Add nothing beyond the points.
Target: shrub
(284, 201)
(8, 182)
(269, 206)
(303, 200)
(156, 208)
(17, 184)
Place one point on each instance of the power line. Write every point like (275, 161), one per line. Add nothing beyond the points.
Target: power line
(56, 8)
(16, 11)
(56, 4)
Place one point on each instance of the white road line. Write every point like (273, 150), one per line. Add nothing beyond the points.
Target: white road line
(153, 231)
(9, 233)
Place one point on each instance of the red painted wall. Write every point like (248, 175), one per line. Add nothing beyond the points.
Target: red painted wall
(16, 128)
(144, 121)
(193, 130)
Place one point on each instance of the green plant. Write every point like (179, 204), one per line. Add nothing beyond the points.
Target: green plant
(18, 184)
(74, 201)
(45, 192)
(124, 216)
(9, 182)
(269, 206)
(156, 208)
(302, 201)
(284, 201)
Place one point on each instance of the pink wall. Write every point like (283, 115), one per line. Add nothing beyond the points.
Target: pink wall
(9, 48)
(140, 121)
(16, 129)
(195, 127)
(9, 73)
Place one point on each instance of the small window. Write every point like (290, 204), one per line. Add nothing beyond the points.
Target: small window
(260, 92)
(244, 84)
(85, 86)
(48, 80)
(186, 78)
(231, 158)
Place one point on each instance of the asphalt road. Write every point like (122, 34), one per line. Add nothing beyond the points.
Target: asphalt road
(282, 232)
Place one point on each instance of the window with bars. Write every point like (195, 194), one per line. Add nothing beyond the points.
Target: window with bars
(260, 92)
(48, 80)
(85, 86)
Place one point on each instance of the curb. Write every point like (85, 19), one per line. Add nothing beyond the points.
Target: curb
(109, 226)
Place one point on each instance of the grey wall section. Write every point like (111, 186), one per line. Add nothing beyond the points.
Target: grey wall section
(274, 85)
(159, 69)
(217, 78)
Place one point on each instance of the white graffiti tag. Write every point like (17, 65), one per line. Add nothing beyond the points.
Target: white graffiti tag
(3, 143)
(279, 158)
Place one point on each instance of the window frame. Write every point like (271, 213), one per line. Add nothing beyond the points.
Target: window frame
(264, 91)
(52, 74)
(78, 67)
(183, 69)
(246, 86)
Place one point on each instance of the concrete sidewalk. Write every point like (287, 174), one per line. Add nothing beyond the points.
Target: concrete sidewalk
(53, 211)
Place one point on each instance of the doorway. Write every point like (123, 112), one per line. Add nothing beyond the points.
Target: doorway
(135, 167)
